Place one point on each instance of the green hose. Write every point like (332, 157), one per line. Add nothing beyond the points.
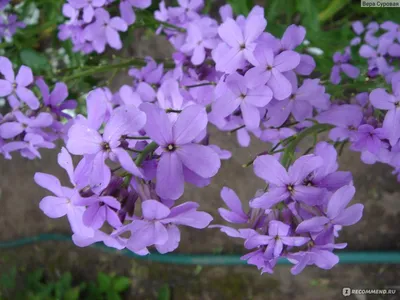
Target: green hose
(362, 257)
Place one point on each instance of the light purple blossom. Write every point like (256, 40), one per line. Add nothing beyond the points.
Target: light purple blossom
(13, 87)
(380, 99)
(105, 30)
(235, 93)
(238, 43)
(269, 68)
(84, 140)
(287, 184)
(179, 152)
(88, 7)
(342, 64)
(159, 226)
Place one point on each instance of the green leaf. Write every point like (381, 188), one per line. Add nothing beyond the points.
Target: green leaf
(112, 295)
(164, 293)
(104, 282)
(121, 284)
(309, 14)
(241, 7)
(35, 60)
(72, 294)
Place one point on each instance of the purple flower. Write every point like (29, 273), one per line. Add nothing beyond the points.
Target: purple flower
(127, 11)
(178, 150)
(377, 56)
(342, 65)
(239, 42)
(56, 100)
(99, 236)
(9, 26)
(99, 210)
(393, 30)
(327, 175)
(292, 37)
(346, 118)
(159, 226)
(105, 30)
(358, 28)
(278, 236)
(287, 184)
(84, 140)
(3, 3)
(268, 70)
(63, 203)
(12, 86)
(236, 215)
(236, 93)
(187, 10)
(197, 41)
(9, 130)
(88, 7)
(368, 138)
(146, 78)
(380, 99)
(300, 103)
(336, 213)
(29, 146)
(320, 255)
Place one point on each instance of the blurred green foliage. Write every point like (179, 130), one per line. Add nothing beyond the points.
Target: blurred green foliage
(37, 286)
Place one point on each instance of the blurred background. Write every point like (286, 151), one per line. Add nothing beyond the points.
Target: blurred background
(60, 270)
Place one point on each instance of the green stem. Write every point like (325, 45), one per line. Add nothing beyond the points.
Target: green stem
(133, 62)
(290, 149)
(334, 7)
(171, 110)
(139, 160)
(198, 85)
(137, 138)
(148, 149)
(169, 25)
(236, 129)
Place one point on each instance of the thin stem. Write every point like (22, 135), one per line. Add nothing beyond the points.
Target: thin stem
(236, 129)
(289, 151)
(147, 150)
(198, 85)
(170, 110)
(334, 7)
(262, 153)
(139, 160)
(136, 62)
(169, 25)
(137, 138)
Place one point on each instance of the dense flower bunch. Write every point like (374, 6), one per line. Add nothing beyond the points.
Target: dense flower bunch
(91, 27)
(30, 125)
(370, 121)
(298, 215)
(144, 143)
(139, 146)
(8, 22)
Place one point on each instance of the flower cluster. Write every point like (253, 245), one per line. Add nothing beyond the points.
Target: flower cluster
(370, 121)
(300, 213)
(91, 27)
(153, 154)
(30, 125)
(140, 145)
(8, 22)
